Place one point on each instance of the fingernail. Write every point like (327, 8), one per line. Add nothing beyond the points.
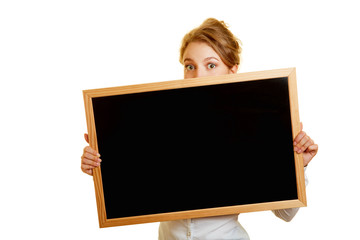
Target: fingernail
(295, 143)
(99, 160)
(98, 155)
(299, 151)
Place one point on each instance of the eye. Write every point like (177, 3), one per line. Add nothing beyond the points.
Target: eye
(211, 66)
(189, 67)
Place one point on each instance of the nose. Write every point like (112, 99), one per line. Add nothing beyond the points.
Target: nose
(200, 73)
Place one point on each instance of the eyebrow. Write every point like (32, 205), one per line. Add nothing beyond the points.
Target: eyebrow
(209, 58)
(206, 59)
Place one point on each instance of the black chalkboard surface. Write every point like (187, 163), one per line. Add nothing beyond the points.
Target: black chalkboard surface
(187, 149)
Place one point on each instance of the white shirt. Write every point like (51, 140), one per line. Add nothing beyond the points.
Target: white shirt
(213, 228)
(210, 228)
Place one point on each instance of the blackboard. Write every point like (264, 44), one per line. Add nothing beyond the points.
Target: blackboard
(196, 147)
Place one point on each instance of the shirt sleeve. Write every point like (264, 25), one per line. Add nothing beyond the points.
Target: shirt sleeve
(288, 214)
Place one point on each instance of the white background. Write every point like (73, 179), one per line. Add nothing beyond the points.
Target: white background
(52, 50)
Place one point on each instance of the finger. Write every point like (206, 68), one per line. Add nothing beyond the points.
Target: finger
(300, 146)
(91, 151)
(86, 166)
(87, 171)
(303, 141)
(90, 172)
(90, 155)
(299, 137)
(91, 162)
(313, 149)
(86, 136)
(307, 145)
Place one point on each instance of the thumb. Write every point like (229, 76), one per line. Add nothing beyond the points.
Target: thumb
(86, 136)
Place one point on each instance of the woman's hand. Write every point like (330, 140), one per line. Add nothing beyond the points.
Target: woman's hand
(305, 145)
(90, 158)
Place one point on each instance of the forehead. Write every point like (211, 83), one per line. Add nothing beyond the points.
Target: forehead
(198, 51)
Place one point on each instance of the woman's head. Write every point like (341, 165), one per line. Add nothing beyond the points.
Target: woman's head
(210, 49)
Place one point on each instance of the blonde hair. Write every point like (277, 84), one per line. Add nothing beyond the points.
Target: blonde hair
(217, 35)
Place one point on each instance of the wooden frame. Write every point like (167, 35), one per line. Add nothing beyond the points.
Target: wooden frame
(289, 73)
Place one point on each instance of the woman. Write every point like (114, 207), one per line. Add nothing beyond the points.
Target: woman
(210, 50)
